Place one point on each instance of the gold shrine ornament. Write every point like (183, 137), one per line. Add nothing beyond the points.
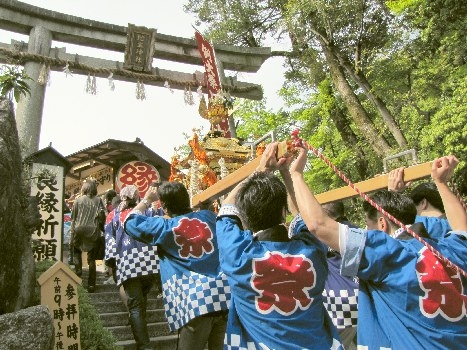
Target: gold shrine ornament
(215, 112)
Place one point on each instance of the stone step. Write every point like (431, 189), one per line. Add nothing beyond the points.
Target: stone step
(121, 318)
(100, 287)
(168, 342)
(156, 329)
(114, 316)
(118, 306)
(102, 294)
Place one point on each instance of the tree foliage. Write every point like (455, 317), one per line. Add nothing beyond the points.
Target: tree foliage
(399, 65)
(13, 82)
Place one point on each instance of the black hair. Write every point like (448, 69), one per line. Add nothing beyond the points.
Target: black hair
(428, 191)
(335, 209)
(398, 205)
(174, 198)
(109, 195)
(261, 201)
(116, 201)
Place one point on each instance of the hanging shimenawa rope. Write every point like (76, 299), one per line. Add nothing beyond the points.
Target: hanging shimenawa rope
(22, 57)
(297, 142)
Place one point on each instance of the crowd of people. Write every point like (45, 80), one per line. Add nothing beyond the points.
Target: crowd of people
(246, 277)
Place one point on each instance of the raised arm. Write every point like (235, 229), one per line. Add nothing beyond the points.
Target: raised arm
(268, 163)
(441, 171)
(285, 173)
(315, 218)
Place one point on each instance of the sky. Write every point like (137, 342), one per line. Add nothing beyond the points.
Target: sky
(73, 119)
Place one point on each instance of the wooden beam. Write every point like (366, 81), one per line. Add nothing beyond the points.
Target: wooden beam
(412, 173)
(230, 181)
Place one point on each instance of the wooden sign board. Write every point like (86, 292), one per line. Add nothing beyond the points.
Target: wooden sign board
(223, 186)
(139, 49)
(59, 292)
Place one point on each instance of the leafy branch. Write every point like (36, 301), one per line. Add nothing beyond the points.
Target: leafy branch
(13, 82)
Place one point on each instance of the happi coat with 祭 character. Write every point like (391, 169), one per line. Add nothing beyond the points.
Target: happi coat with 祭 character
(277, 284)
(193, 284)
(407, 298)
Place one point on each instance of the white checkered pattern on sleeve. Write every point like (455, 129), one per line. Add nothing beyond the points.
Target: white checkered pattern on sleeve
(194, 295)
(232, 342)
(342, 308)
(136, 263)
(110, 247)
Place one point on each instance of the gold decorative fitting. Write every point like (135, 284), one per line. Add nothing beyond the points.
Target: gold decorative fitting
(217, 112)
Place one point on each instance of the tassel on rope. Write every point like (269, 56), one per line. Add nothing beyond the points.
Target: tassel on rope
(67, 70)
(94, 85)
(297, 142)
(88, 84)
(188, 97)
(167, 85)
(43, 75)
(110, 78)
(91, 87)
(140, 91)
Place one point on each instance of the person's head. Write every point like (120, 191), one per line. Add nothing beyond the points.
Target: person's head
(262, 201)
(426, 197)
(116, 201)
(129, 196)
(335, 210)
(89, 188)
(174, 198)
(109, 195)
(398, 205)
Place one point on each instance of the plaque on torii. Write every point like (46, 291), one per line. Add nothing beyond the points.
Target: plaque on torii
(139, 48)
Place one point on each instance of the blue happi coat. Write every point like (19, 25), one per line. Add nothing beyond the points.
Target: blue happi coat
(193, 284)
(436, 227)
(133, 258)
(276, 286)
(407, 298)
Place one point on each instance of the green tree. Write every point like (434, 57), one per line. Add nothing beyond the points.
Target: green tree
(13, 82)
(385, 75)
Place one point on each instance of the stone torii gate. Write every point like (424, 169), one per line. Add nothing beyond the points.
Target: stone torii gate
(43, 26)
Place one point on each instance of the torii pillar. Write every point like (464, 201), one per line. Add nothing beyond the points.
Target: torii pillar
(29, 110)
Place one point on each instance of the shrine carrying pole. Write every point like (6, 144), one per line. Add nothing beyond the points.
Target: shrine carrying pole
(412, 173)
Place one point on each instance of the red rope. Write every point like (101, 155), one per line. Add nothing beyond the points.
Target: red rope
(301, 143)
(458, 195)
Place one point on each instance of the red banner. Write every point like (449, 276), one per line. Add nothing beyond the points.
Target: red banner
(213, 83)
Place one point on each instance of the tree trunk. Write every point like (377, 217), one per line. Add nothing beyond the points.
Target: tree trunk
(351, 140)
(380, 106)
(358, 113)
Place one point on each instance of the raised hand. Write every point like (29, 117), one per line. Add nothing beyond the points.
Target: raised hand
(442, 168)
(298, 165)
(269, 161)
(396, 180)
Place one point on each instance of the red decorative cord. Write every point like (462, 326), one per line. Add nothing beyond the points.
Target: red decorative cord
(458, 195)
(297, 142)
